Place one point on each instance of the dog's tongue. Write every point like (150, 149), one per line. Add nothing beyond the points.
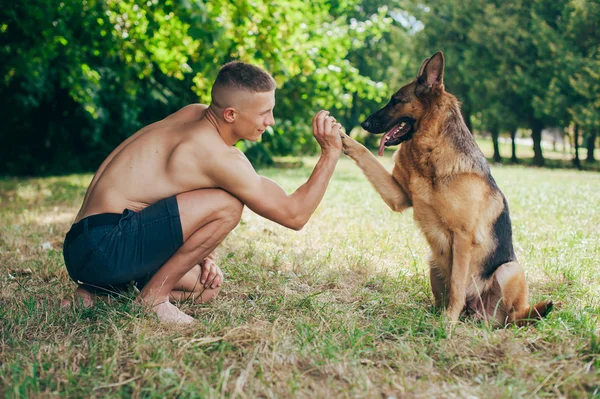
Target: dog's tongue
(384, 139)
(382, 145)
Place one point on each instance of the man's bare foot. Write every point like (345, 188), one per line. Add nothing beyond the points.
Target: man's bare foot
(81, 297)
(167, 312)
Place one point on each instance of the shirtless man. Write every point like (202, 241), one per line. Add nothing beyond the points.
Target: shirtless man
(163, 200)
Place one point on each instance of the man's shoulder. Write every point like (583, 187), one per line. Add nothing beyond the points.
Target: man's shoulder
(188, 113)
(206, 144)
(223, 154)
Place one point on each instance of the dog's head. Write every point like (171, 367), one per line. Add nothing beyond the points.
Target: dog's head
(400, 117)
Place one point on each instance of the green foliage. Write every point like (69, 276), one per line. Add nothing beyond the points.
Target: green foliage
(584, 76)
(257, 154)
(79, 77)
(528, 64)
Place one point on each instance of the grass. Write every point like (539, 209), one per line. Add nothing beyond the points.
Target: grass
(341, 309)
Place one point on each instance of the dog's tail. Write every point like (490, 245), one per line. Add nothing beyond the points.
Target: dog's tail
(532, 314)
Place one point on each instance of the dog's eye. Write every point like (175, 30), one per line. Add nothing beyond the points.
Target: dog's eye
(396, 100)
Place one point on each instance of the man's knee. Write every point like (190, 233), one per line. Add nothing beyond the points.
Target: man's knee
(200, 206)
(230, 208)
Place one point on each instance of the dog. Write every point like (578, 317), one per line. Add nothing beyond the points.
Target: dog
(440, 171)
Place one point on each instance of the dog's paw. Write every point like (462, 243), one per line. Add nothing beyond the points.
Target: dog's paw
(451, 316)
(350, 146)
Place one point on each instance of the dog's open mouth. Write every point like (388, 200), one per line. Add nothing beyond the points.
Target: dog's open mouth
(398, 133)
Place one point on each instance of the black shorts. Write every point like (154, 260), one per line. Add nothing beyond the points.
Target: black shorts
(107, 252)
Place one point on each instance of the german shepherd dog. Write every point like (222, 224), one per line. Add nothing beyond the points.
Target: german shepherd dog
(440, 171)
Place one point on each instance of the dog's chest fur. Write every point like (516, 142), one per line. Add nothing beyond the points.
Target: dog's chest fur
(450, 194)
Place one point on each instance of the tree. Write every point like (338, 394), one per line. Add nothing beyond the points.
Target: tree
(447, 24)
(79, 77)
(517, 64)
(584, 74)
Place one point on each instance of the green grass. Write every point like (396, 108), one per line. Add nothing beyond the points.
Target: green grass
(341, 309)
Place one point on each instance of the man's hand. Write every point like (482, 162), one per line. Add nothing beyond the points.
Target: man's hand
(327, 133)
(211, 275)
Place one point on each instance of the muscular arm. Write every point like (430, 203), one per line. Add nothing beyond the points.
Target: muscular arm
(231, 171)
(262, 195)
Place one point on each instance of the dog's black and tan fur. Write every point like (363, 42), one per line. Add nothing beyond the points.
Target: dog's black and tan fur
(442, 174)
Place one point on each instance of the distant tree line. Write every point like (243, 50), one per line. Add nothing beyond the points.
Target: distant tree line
(530, 64)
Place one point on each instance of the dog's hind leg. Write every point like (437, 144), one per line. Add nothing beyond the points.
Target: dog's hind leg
(511, 280)
(382, 180)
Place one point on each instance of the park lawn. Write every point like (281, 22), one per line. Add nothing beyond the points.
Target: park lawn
(342, 308)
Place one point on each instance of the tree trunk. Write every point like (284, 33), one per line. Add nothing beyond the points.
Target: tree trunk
(576, 160)
(497, 157)
(591, 144)
(536, 135)
(513, 138)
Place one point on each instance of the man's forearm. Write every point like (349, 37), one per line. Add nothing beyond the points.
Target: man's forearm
(309, 195)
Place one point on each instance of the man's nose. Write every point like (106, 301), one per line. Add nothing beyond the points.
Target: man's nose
(270, 121)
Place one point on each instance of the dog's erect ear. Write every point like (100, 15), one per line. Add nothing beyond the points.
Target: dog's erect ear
(422, 67)
(431, 74)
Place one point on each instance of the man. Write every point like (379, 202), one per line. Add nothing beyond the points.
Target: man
(163, 200)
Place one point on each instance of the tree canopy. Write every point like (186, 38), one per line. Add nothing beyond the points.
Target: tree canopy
(78, 77)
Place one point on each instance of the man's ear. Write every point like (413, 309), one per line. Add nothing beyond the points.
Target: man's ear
(229, 114)
(431, 75)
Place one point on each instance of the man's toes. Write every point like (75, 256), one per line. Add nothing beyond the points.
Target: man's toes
(86, 299)
(81, 297)
(185, 319)
(168, 313)
(65, 304)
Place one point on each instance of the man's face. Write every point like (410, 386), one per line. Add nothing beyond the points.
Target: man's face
(255, 114)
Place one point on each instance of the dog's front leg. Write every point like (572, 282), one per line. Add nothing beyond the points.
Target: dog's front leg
(383, 181)
(461, 257)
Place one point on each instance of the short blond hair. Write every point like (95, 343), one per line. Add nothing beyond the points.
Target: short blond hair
(237, 75)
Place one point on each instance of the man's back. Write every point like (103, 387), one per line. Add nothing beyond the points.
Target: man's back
(157, 162)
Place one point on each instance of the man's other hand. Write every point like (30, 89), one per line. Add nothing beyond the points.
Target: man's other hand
(327, 133)
(211, 276)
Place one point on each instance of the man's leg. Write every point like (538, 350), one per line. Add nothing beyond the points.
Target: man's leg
(190, 288)
(207, 216)
(187, 288)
